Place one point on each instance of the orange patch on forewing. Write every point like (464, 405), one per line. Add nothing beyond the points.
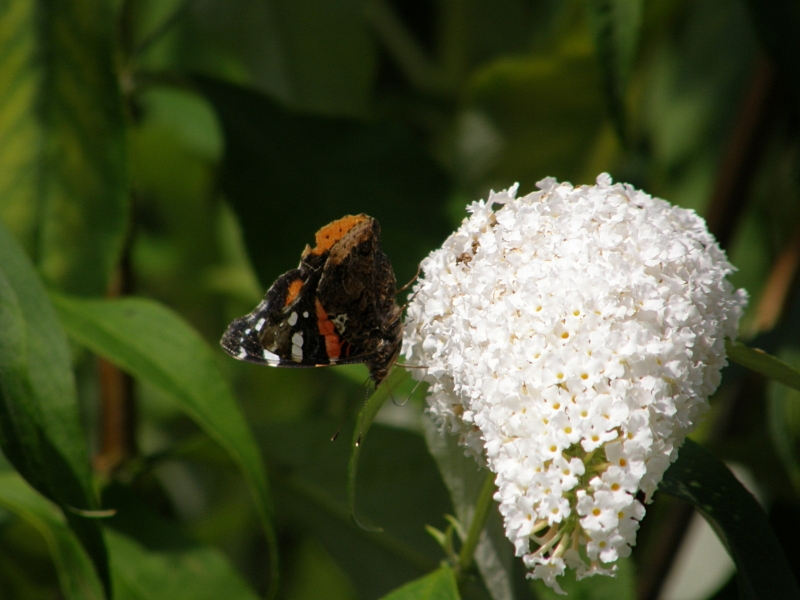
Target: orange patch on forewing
(333, 232)
(333, 345)
(293, 291)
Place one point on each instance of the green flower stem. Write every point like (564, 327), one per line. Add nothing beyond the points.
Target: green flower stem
(482, 507)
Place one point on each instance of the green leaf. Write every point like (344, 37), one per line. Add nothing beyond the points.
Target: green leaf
(287, 174)
(615, 26)
(464, 479)
(363, 423)
(399, 489)
(63, 172)
(702, 480)
(152, 558)
(154, 344)
(439, 585)
(40, 430)
(763, 363)
(76, 574)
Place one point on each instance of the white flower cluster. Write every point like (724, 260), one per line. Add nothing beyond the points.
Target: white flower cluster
(571, 339)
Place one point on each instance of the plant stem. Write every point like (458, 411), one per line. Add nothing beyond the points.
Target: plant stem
(476, 526)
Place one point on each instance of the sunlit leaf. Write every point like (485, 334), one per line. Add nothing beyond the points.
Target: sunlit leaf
(154, 344)
(40, 430)
(763, 363)
(62, 140)
(439, 585)
(76, 574)
(702, 480)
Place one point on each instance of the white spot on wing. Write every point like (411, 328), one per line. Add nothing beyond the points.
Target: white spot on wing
(270, 356)
(260, 324)
(339, 322)
(247, 331)
(293, 319)
(305, 314)
(297, 347)
(242, 353)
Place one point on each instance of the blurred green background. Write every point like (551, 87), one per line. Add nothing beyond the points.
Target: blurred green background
(187, 150)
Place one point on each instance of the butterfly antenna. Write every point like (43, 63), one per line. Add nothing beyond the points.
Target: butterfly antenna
(406, 305)
(391, 394)
(419, 383)
(404, 402)
(350, 408)
(410, 283)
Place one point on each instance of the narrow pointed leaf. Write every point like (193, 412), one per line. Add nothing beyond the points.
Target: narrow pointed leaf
(40, 430)
(76, 574)
(62, 139)
(702, 480)
(154, 344)
(763, 363)
(439, 585)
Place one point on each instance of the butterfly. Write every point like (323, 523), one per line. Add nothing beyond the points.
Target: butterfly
(337, 307)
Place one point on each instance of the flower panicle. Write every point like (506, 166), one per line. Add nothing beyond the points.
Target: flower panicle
(571, 339)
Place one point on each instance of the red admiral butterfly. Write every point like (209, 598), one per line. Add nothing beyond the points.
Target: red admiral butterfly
(337, 307)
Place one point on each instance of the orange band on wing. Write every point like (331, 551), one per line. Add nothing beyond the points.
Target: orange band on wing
(333, 232)
(293, 291)
(333, 345)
